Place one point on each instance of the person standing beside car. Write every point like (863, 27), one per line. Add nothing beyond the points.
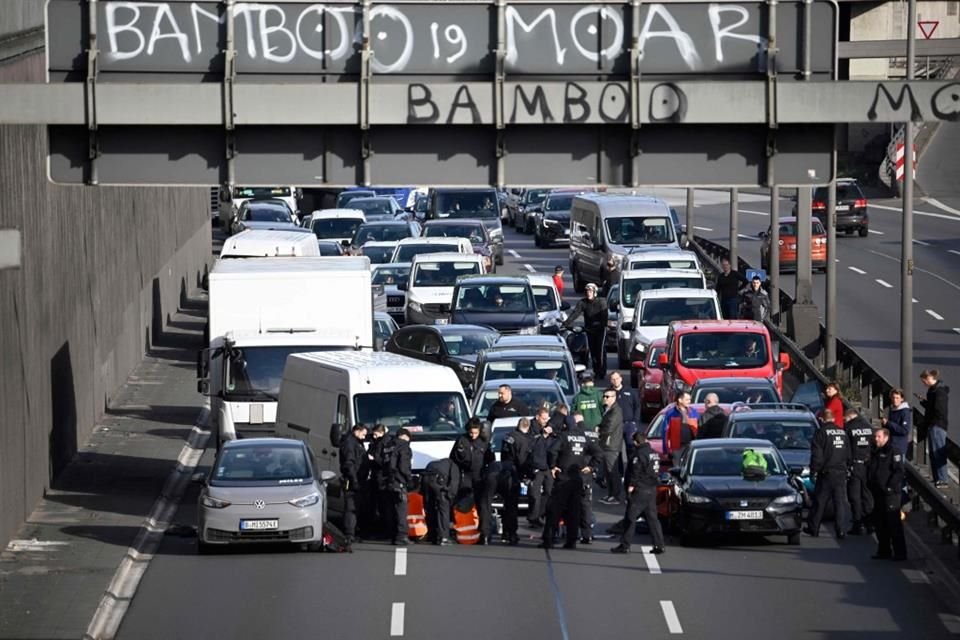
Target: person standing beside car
(595, 315)
(885, 476)
(588, 402)
(899, 422)
(728, 290)
(829, 460)
(860, 432)
(935, 422)
(401, 474)
(541, 486)
(558, 279)
(354, 470)
(439, 484)
(506, 405)
(756, 302)
(611, 442)
(834, 402)
(643, 477)
(629, 404)
(713, 419)
(515, 456)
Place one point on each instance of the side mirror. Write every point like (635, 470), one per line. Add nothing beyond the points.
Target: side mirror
(615, 306)
(784, 361)
(663, 360)
(336, 434)
(203, 363)
(327, 476)
(627, 326)
(564, 306)
(597, 245)
(579, 368)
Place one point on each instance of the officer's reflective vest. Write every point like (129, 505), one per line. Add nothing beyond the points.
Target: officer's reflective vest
(416, 516)
(466, 526)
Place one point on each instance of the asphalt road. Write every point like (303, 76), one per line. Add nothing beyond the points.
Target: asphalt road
(821, 589)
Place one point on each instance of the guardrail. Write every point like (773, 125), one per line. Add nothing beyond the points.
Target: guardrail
(871, 387)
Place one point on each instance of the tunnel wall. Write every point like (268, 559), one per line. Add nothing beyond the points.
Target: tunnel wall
(103, 269)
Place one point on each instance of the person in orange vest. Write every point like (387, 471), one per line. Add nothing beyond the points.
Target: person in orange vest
(473, 455)
(354, 469)
(681, 421)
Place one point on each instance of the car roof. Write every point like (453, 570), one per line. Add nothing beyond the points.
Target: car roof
(270, 202)
(461, 189)
(377, 197)
(538, 342)
(381, 243)
(637, 255)
(452, 222)
(731, 442)
(651, 274)
(617, 205)
(532, 353)
(722, 326)
(519, 383)
(448, 328)
(321, 214)
(247, 443)
(385, 223)
(677, 292)
(492, 279)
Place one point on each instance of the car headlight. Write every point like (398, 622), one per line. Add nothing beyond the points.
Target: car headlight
(414, 306)
(616, 258)
(469, 369)
(213, 503)
(306, 501)
(793, 247)
(551, 223)
(693, 499)
(652, 386)
(497, 234)
(787, 500)
(529, 331)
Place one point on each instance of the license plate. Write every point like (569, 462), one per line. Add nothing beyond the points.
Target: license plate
(843, 207)
(441, 321)
(259, 525)
(744, 515)
(566, 232)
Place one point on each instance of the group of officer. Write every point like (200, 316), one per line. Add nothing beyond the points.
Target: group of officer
(859, 465)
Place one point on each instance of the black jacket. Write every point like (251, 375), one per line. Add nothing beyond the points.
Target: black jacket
(860, 432)
(472, 456)
(756, 304)
(885, 476)
(711, 422)
(611, 429)
(399, 464)
(575, 451)
(354, 465)
(380, 451)
(543, 450)
(517, 450)
(513, 409)
(728, 285)
(936, 406)
(643, 471)
(561, 422)
(629, 403)
(444, 473)
(594, 314)
(829, 449)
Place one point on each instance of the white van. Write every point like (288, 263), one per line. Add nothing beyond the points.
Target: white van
(264, 243)
(410, 247)
(337, 225)
(661, 259)
(656, 309)
(322, 394)
(632, 283)
(430, 288)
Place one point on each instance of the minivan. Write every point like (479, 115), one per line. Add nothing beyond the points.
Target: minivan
(432, 279)
(504, 303)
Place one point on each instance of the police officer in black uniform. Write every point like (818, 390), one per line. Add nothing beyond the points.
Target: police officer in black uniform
(643, 476)
(354, 470)
(885, 478)
(541, 486)
(439, 484)
(377, 455)
(586, 495)
(594, 310)
(829, 460)
(506, 405)
(860, 432)
(401, 474)
(472, 454)
(515, 463)
(576, 456)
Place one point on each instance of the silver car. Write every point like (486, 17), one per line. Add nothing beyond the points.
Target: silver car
(263, 490)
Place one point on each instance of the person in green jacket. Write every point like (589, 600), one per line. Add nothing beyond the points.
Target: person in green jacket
(589, 402)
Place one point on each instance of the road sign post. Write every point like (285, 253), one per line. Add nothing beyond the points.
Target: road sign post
(906, 240)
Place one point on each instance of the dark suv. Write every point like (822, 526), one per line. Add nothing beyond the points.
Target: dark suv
(851, 207)
(481, 203)
(553, 224)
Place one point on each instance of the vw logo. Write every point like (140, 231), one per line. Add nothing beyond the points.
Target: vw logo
(260, 504)
(743, 503)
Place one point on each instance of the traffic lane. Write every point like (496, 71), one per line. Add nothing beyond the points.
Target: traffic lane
(940, 165)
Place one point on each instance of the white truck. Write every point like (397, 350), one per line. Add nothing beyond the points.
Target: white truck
(263, 309)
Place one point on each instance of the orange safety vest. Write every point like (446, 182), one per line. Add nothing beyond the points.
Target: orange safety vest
(467, 526)
(416, 516)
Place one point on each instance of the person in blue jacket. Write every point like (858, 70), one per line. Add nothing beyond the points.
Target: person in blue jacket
(899, 422)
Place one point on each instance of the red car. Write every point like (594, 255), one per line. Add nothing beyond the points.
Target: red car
(646, 376)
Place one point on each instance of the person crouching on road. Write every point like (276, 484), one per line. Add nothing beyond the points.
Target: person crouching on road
(541, 486)
(611, 441)
(472, 454)
(834, 402)
(860, 432)
(885, 477)
(643, 476)
(439, 485)
(381, 443)
(515, 459)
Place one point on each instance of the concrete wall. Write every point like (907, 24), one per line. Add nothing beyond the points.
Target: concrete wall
(102, 270)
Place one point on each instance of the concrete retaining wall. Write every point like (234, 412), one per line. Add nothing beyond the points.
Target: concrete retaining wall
(102, 270)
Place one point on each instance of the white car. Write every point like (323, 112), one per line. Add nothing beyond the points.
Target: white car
(432, 278)
(656, 309)
(551, 308)
(408, 248)
(337, 225)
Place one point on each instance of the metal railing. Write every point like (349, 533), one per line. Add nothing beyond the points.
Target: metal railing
(872, 391)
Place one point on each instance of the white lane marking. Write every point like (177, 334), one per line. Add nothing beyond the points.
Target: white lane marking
(746, 237)
(942, 216)
(396, 619)
(954, 252)
(916, 576)
(873, 231)
(924, 271)
(513, 253)
(951, 622)
(940, 205)
(765, 214)
(921, 243)
(956, 329)
(884, 283)
(855, 270)
(915, 301)
(529, 268)
(652, 565)
(673, 621)
(696, 228)
(400, 563)
(933, 314)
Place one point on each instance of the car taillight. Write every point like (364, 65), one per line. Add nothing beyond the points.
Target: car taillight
(817, 204)
(860, 203)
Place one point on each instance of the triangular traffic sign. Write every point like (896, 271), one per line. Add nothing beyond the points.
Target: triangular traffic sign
(927, 27)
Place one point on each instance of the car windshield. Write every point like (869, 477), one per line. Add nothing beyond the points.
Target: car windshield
(381, 206)
(406, 252)
(723, 350)
(261, 192)
(558, 203)
(731, 393)
(326, 228)
(640, 230)
(428, 415)
(442, 274)
(533, 398)
(663, 311)
(254, 373)
(329, 248)
(374, 232)
(784, 434)
(637, 264)
(545, 297)
(344, 198)
(633, 286)
(267, 213)
(535, 196)
(728, 461)
(468, 343)
(468, 204)
(473, 232)
(391, 275)
(274, 464)
(377, 255)
(558, 370)
(494, 298)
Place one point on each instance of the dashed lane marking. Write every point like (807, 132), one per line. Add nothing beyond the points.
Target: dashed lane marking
(922, 243)
(954, 252)
(400, 563)
(529, 268)
(855, 270)
(933, 314)
(916, 576)
(670, 614)
(702, 228)
(942, 216)
(875, 232)
(396, 619)
(915, 301)
(884, 283)
(513, 253)
(652, 565)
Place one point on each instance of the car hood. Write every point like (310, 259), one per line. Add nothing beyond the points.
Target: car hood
(653, 375)
(271, 494)
(796, 457)
(647, 335)
(442, 295)
(736, 487)
(499, 321)
(555, 316)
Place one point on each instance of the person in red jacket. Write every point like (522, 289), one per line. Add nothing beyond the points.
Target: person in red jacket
(834, 402)
(558, 279)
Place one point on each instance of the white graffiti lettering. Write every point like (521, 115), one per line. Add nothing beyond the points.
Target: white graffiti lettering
(114, 29)
(196, 12)
(266, 30)
(605, 13)
(395, 15)
(513, 18)
(455, 35)
(688, 51)
(719, 33)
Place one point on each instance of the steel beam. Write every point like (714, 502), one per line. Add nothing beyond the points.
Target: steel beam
(830, 310)
(935, 47)
(773, 260)
(906, 241)
(734, 229)
(691, 232)
(804, 290)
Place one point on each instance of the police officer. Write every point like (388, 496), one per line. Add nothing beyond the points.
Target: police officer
(439, 484)
(380, 477)
(643, 476)
(594, 311)
(401, 473)
(575, 457)
(515, 461)
(885, 478)
(506, 405)
(829, 459)
(586, 499)
(472, 454)
(354, 469)
(541, 486)
(860, 433)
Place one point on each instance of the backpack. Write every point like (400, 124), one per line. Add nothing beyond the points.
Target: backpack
(754, 465)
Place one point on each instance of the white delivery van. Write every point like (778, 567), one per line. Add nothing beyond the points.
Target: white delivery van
(263, 309)
(430, 287)
(324, 393)
(656, 309)
(257, 243)
(632, 283)
(337, 225)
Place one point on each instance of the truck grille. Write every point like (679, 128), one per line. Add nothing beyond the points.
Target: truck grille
(396, 301)
(436, 309)
(219, 535)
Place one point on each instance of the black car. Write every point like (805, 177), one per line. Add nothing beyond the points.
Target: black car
(452, 345)
(473, 230)
(484, 204)
(713, 496)
(553, 225)
(330, 248)
(529, 199)
(377, 208)
(851, 207)
(505, 303)
(384, 231)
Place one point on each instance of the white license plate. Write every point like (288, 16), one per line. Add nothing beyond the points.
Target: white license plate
(744, 515)
(441, 321)
(566, 232)
(259, 525)
(843, 207)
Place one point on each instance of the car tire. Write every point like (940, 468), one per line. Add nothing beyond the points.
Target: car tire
(793, 539)
(578, 284)
(863, 232)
